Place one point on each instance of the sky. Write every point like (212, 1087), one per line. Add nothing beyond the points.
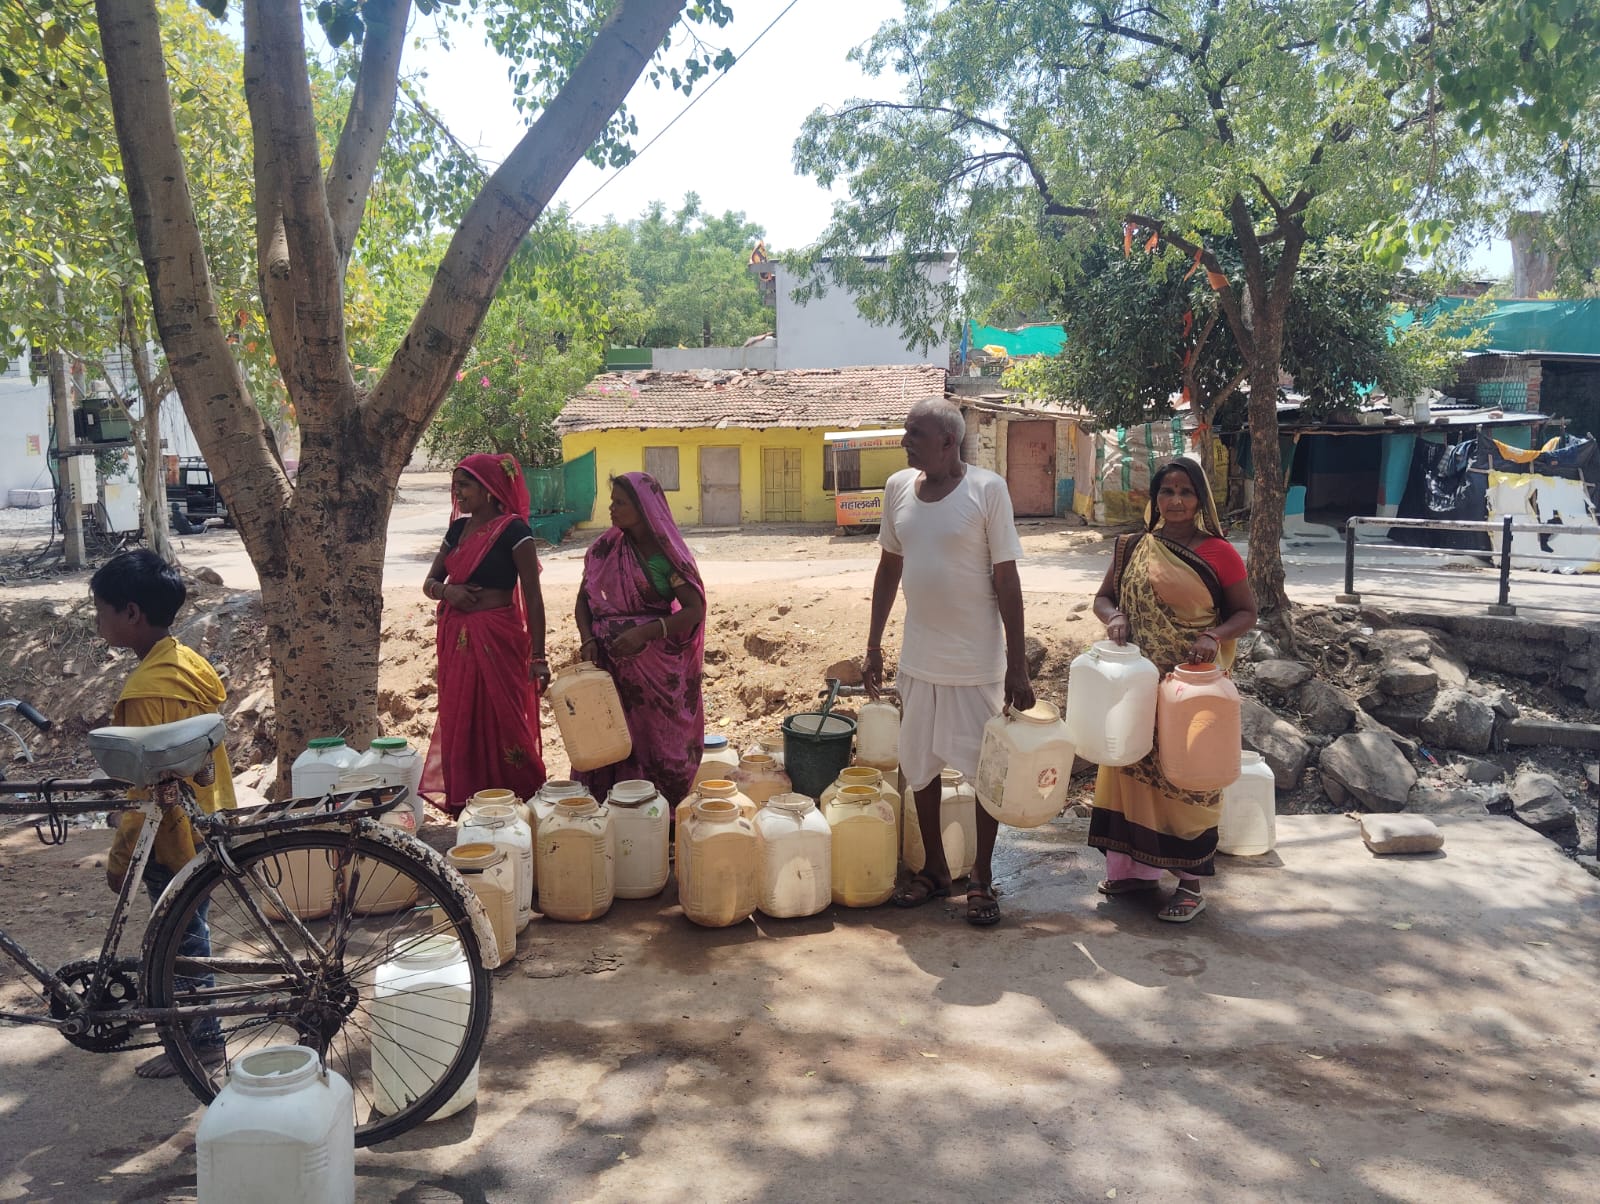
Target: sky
(735, 146)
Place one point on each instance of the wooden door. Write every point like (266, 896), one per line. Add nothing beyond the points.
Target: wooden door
(1031, 468)
(719, 486)
(780, 485)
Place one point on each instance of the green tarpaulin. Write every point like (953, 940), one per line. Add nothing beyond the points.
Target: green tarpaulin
(1030, 340)
(1555, 327)
(561, 498)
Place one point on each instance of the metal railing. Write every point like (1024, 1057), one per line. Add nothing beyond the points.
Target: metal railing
(1504, 527)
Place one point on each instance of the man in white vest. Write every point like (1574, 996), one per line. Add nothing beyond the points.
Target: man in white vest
(949, 541)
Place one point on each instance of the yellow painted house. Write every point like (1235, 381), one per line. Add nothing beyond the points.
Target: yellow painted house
(733, 447)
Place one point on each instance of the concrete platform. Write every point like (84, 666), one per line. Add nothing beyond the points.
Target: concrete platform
(1335, 1027)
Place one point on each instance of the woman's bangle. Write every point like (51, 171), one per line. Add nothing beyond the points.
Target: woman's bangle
(1212, 636)
(664, 631)
(428, 587)
(539, 660)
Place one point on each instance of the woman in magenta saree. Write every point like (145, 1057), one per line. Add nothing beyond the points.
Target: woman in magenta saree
(490, 640)
(641, 616)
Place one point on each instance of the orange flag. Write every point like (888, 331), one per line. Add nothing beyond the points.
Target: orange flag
(1155, 241)
(1127, 239)
(1195, 265)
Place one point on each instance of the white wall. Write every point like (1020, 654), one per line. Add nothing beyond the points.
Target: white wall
(717, 359)
(829, 332)
(24, 430)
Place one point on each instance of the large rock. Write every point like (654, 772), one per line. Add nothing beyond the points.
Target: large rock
(1480, 772)
(1401, 679)
(1460, 721)
(1278, 678)
(1403, 714)
(1327, 708)
(1035, 652)
(1367, 767)
(1446, 800)
(1281, 746)
(1538, 801)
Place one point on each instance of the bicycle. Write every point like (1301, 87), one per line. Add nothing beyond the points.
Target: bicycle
(299, 921)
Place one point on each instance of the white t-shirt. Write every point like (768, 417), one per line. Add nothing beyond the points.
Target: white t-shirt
(953, 635)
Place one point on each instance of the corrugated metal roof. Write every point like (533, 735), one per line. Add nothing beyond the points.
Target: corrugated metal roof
(842, 398)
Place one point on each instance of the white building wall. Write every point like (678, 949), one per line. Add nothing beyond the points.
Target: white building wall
(763, 355)
(24, 430)
(829, 332)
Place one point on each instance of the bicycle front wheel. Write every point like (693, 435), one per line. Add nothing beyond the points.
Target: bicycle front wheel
(340, 942)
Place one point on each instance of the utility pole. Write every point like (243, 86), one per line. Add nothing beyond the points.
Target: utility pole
(68, 504)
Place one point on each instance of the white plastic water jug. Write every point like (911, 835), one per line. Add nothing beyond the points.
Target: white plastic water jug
(316, 769)
(863, 846)
(958, 822)
(488, 872)
(1111, 703)
(577, 861)
(719, 864)
(641, 820)
(588, 710)
(1248, 826)
(716, 761)
(501, 825)
(282, 1128)
(878, 735)
(543, 804)
(421, 1005)
(384, 890)
(796, 857)
(397, 764)
(1024, 766)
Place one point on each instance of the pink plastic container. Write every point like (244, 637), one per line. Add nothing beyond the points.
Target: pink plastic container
(1197, 728)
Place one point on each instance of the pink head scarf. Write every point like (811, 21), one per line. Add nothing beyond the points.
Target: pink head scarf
(657, 514)
(502, 477)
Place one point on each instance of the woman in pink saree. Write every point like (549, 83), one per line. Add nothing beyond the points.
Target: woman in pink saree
(641, 616)
(490, 640)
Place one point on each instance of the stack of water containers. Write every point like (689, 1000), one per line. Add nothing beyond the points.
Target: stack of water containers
(502, 826)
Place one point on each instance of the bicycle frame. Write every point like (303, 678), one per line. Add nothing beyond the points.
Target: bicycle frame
(217, 837)
(79, 1013)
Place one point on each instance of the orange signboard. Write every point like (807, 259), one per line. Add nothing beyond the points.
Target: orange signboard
(858, 508)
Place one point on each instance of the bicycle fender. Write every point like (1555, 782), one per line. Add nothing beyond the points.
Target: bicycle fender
(488, 947)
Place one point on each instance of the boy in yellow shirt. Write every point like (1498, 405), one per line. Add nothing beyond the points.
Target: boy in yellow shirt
(136, 598)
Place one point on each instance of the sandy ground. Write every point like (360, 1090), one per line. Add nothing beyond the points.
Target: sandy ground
(1336, 1027)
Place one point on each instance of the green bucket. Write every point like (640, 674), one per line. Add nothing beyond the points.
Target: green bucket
(815, 748)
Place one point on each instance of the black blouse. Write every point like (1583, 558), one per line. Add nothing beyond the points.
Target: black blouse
(497, 570)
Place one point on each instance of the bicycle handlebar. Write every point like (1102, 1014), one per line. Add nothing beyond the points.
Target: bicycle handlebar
(27, 712)
(33, 717)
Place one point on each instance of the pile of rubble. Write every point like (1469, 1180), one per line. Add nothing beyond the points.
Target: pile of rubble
(1375, 716)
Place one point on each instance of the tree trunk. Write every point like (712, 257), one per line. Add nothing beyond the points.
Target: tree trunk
(152, 477)
(318, 544)
(1266, 507)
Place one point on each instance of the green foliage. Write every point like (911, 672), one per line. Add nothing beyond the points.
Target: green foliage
(684, 274)
(66, 242)
(1125, 317)
(541, 40)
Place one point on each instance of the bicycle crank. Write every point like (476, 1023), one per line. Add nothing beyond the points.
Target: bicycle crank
(118, 991)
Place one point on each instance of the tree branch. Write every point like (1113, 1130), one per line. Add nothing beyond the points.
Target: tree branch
(413, 385)
(355, 159)
(183, 299)
(280, 103)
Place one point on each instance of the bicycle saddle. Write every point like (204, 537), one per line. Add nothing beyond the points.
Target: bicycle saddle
(143, 756)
